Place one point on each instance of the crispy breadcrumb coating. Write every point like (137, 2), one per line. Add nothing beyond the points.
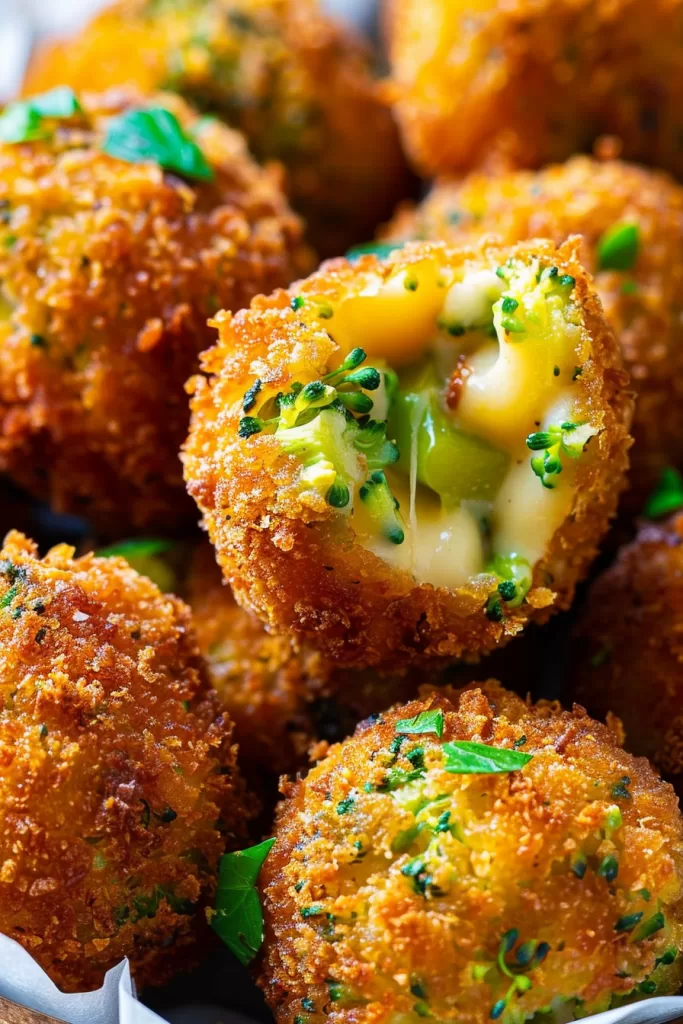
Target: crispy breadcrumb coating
(109, 271)
(397, 890)
(118, 786)
(628, 645)
(287, 552)
(530, 83)
(642, 298)
(298, 85)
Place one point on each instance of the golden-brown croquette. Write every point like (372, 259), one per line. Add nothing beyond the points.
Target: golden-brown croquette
(109, 270)
(428, 502)
(629, 652)
(529, 83)
(469, 859)
(631, 222)
(299, 86)
(118, 786)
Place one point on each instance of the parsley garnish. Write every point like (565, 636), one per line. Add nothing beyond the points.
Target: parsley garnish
(154, 135)
(23, 121)
(238, 918)
(466, 758)
(426, 721)
(146, 556)
(668, 495)
(618, 247)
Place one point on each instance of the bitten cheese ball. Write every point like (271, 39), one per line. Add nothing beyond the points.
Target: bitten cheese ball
(300, 86)
(124, 224)
(528, 83)
(407, 459)
(631, 223)
(628, 645)
(472, 859)
(119, 789)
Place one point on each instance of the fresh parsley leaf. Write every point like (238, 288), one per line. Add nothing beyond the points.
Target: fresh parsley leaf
(154, 135)
(20, 123)
(60, 102)
(466, 758)
(426, 721)
(379, 249)
(618, 247)
(146, 556)
(667, 496)
(23, 121)
(238, 918)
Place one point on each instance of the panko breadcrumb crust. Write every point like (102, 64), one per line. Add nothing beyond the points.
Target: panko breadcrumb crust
(629, 645)
(526, 84)
(281, 700)
(109, 272)
(300, 86)
(118, 782)
(644, 304)
(281, 556)
(356, 925)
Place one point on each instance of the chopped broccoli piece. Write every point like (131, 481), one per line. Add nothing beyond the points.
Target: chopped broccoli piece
(564, 439)
(515, 575)
(329, 463)
(382, 506)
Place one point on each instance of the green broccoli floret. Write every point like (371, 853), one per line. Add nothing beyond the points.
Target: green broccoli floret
(329, 461)
(382, 506)
(566, 438)
(515, 578)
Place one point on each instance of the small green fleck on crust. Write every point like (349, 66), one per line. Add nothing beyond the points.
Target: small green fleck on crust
(467, 758)
(618, 247)
(425, 722)
(667, 496)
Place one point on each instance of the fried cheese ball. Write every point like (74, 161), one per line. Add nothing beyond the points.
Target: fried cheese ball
(631, 222)
(629, 649)
(118, 785)
(408, 459)
(298, 85)
(109, 270)
(529, 83)
(469, 859)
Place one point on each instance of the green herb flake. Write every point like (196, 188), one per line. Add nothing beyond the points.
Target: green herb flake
(650, 927)
(466, 758)
(667, 496)
(609, 868)
(297, 302)
(154, 135)
(313, 911)
(628, 922)
(344, 806)
(620, 789)
(23, 121)
(424, 722)
(618, 247)
(238, 918)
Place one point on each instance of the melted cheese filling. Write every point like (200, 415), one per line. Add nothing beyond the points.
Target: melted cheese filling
(519, 381)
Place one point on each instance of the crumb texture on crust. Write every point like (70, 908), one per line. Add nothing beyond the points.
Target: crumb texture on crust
(525, 84)
(119, 787)
(629, 647)
(300, 86)
(397, 890)
(642, 302)
(285, 553)
(110, 271)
